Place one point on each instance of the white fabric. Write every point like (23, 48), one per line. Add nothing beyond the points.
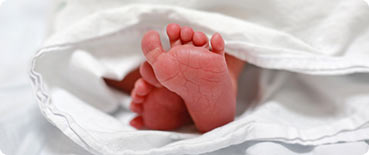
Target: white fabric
(23, 130)
(291, 107)
(265, 148)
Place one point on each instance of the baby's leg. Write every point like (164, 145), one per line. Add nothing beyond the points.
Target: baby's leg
(126, 85)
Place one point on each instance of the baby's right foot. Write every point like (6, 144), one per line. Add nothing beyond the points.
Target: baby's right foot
(195, 73)
(156, 106)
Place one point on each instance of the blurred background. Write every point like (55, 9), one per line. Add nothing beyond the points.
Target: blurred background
(23, 130)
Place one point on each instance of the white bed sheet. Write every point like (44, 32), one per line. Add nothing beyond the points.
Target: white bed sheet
(23, 130)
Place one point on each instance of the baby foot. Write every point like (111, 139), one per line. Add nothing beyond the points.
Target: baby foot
(149, 107)
(199, 75)
(156, 106)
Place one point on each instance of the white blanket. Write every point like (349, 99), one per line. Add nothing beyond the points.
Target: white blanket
(310, 86)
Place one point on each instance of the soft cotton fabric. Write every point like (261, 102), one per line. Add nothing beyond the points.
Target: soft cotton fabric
(310, 86)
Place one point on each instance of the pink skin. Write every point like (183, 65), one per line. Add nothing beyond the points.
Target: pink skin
(154, 112)
(161, 109)
(198, 75)
(156, 106)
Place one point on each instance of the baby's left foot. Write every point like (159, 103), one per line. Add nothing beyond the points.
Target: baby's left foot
(199, 75)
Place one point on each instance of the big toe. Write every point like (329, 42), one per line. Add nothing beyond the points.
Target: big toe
(151, 46)
(148, 74)
(142, 88)
(217, 43)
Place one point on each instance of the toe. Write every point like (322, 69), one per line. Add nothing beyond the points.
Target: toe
(148, 75)
(186, 34)
(142, 88)
(200, 39)
(217, 43)
(137, 108)
(151, 46)
(173, 32)
(137, 122)
(136, 98)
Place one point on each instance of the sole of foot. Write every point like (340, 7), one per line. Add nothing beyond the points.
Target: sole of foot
(199, 75)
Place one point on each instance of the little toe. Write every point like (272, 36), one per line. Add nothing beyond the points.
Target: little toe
(137, 108)
(142, 88)
(217, 43)
(148, 74)
(186, 34)
(200, 39)
(137, 122)
(173, 32)
(151, 46)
